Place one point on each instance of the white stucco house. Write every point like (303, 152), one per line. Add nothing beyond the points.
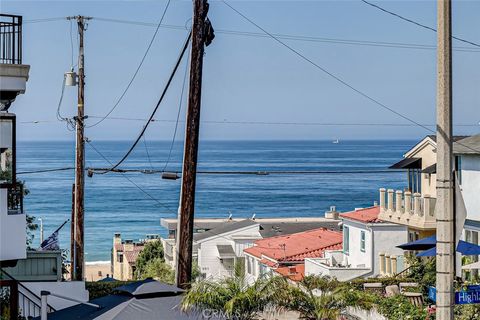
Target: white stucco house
(219, 249)
(369, 248)
(467, 165)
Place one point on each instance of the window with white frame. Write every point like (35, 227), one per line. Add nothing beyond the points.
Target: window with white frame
(346, 238)
(362, 241)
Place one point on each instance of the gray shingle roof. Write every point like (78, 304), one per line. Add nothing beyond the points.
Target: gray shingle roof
(226, 227)
(268, 230)
(470, 145)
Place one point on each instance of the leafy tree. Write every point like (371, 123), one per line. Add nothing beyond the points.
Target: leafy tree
(399, 307)
(159, 270)
(233, 296)
(324, 298)
(153, 250)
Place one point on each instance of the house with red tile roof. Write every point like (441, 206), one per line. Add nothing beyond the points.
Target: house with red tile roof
(369, 248)
(285, 255)
(124, 257)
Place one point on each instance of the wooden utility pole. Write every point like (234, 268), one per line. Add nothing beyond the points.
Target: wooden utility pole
(187, 198)
(78, 260)
(445, 182)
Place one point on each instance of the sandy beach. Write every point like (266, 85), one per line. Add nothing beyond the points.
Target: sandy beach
(97, 271)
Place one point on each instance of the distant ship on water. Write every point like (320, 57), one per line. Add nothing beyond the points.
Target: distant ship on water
(336, 141)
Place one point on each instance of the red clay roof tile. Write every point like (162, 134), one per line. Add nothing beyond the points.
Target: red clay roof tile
(297, 246)
(367, 215)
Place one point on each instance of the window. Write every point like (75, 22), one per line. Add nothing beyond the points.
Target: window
(249, 265)
(362, 241)
(120, 257)
(346, 238)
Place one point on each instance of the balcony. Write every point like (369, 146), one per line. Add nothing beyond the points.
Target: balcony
(413, 210)
(334, 265)
(38, 266)
(13, 74)
(10, 39)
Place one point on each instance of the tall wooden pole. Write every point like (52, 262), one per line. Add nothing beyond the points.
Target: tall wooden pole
(445, 187)
(187, 198)
(78, 248)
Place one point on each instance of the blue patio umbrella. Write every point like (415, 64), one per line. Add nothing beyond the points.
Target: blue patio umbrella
(421, 244)
(465, 248)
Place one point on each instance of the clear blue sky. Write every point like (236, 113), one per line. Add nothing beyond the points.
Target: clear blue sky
(249, 78)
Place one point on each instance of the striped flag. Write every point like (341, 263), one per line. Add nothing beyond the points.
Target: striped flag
(52, 242)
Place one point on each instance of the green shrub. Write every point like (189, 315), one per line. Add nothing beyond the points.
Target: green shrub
(398, 307)
(101, 289)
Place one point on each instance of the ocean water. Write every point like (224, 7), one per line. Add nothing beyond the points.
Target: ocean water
(114, 204)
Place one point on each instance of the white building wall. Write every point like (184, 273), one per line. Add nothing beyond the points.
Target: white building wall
(355, 257)
(208, 256)
(379, 237)
(316, 267)
(386, 238)
(12, 232)
(252, 272)
(470, 185)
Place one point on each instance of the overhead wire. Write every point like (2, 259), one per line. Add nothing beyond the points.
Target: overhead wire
(415, 22)
(45, 170)
(324, 70)
(44, 20)
(136, 70)
(131, 181)
(177, 64)
(70, 123)
(250, 172)
(337, 78)
(400, 45)
(178, 116)
(146, 150)
(289, 123)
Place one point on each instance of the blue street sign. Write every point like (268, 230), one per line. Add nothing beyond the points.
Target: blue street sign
(469, 296)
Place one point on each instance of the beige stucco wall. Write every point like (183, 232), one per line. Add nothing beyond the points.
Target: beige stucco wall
(427, 151)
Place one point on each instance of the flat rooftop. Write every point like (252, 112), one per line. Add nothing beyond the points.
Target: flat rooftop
(171, 224)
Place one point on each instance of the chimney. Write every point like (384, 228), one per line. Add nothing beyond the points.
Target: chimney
(117, 239)
(332, 214)
(128, 245)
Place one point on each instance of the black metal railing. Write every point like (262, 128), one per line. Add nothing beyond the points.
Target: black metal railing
(10, 39)
(15, 199)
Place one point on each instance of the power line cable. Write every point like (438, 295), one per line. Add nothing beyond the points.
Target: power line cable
(337, 78)
(70, 123)
(415, 22)
(178, 116)
(44, 20)
(146, 150)
(288, 123)
(258, 173)
(400, 45)
(130, 180)
(180, 57)
(216, 172)
(136, 71)
(46, 170)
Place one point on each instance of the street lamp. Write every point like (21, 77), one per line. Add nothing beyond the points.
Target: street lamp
(7, 150)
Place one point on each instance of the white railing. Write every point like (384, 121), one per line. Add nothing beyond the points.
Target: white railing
(406, 208)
